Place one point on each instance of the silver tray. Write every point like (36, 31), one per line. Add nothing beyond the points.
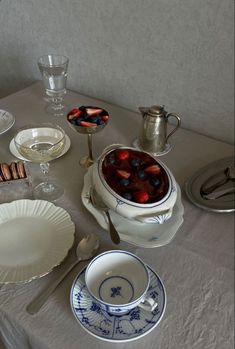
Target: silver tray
(211, 174)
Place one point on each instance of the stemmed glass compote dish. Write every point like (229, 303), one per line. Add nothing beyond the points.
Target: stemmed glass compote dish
(88, 120)
(54, 69)
(41, 144)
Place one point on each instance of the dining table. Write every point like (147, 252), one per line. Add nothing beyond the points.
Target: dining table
(196, 265)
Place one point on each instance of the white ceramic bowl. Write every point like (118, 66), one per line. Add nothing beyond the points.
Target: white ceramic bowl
(154, 212)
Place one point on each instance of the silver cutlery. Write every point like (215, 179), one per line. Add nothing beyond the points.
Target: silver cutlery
(98, 203)
(85, 250)
(229, 175)
(219, 193)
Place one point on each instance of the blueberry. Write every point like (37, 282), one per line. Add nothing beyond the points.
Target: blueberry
(135, 162)
(94, 118)
(141, 174)
(78, 121)
(85, 117)
(74, 121)
(82, 108)
(100, 122)
(111, 159)
(155, 181)
(127, 196)
(125, 182)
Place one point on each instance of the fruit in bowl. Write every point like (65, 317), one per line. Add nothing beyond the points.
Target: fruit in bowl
(88, 117)
(134, 184)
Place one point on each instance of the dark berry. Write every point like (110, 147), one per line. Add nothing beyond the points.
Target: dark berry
(78, 121)
(155, 181)
(82, 108)
(141, 174)
(111, 159)
(125, 182)
(127, 196)
(94, 118)
(100, 122)
(86, 117)
(135, 162)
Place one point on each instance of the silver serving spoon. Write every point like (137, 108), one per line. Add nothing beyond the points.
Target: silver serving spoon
(98, 203)
(230, 175)
(86, 249)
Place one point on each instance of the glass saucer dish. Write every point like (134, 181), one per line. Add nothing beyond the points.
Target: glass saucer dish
(35, 236)
(116, 328)
(147, 235)
(15, 152)
(7, 120)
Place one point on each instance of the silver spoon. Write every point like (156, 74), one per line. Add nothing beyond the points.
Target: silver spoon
(86, 249)
(98, 203)
(230, 175)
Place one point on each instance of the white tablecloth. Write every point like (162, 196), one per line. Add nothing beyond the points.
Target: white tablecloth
(197, 267)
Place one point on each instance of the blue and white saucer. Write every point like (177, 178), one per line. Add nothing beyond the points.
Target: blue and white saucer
(116, 328)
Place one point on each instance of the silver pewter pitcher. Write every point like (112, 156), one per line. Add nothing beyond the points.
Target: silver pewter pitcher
(153, 136)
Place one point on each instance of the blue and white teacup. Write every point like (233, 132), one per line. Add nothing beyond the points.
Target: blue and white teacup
(118, 280)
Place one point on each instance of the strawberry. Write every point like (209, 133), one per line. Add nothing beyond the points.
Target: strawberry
(122, 154)
(93, 111)
(74, 113)
(153, 169)
(87, 124)
(105, 117)
(141, 196)
(123, 174)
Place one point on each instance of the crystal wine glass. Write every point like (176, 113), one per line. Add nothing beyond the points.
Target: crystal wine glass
(88, 120)
(42, 143)
(54, 69)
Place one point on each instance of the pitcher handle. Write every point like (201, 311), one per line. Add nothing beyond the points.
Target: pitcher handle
(177, 126)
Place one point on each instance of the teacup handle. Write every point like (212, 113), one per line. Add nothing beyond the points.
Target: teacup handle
(177, 126)
(148, 304)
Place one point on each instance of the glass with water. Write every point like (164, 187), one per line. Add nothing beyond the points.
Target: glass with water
(54, 70)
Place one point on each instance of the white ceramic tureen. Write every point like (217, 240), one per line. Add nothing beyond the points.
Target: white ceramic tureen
(134, 184)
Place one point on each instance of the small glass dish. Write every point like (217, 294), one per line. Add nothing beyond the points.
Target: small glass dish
(15, 189)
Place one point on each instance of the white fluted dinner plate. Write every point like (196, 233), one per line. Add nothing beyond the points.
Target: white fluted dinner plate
(35, 236)
(7, 120)
(15, 152)
(136, 233)
(116, 328)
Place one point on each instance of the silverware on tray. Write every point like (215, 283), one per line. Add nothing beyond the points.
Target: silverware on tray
(219, 193)
(229, 175)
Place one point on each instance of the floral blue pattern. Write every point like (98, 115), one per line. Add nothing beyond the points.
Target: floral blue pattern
(115, 291)
(116, 328)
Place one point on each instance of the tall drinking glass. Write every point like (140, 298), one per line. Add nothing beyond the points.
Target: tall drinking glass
(54, 70)
(42, 143)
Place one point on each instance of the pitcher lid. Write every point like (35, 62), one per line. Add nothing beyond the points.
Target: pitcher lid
(157, 110)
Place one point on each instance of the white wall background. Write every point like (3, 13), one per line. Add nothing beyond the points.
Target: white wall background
(130, 52)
